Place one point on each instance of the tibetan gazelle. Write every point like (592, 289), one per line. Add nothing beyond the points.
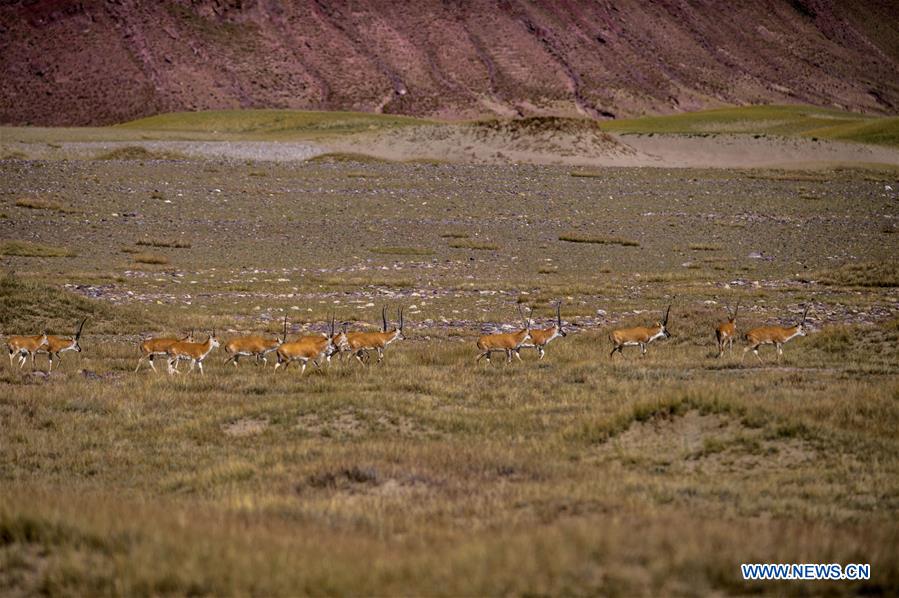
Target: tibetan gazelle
(773, 335)
(23, 346)
(193, 352)
(306, 349)
(725, 332)
(540, 337)
(360, 343)
(54, 345)
(151, 347)
(639, 336)
(254, 344)
(508, 342)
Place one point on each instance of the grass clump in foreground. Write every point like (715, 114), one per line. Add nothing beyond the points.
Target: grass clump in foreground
(30, 249)
(572, 238)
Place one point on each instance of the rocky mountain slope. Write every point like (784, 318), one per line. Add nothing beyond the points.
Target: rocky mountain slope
(66, 62)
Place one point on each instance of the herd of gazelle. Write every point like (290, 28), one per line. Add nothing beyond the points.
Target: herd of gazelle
(317, 348)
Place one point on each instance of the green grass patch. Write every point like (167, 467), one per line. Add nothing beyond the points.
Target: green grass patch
(876, 274)
(806, 121)
(572, 238)
(269, 122)
(29, 249)
(473, 244)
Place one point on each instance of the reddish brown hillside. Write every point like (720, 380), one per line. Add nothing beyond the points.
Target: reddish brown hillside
(65, 62)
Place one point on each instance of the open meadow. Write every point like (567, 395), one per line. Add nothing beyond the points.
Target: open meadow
(429, 474)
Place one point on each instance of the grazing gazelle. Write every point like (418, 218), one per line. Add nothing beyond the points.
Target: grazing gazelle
(193, 352)
(639, 335)
(306, 349)
(23, 346)
(54, 345)
(151, 347)
(726, 331)
(360, 343)
(540, 337)
(508, 342)
(256, 345)
(773, 335)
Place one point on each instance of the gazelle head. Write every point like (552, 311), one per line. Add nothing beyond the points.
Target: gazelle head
(664, 323)
(75, 346)
(527, 323)
(800, 326)
(559, 319)
(732, 317)
(401, 324)
(213, 340)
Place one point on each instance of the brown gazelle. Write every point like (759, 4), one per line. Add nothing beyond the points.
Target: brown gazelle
(360, 343)
(254, 344)
(639, 336)
(540, 337)
(508, 342)
(54, 345)
(23, 346)
(151, 347)
(193, 352)
(306, 349)
(773, 335)
(727, 331)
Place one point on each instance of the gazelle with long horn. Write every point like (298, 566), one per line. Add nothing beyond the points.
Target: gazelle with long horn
(725, 332)
(23, 346)
(508, 342)
(774, 335)
(639, 336)
(54, 345)
(360, 343)
(540, 337)
(306, 349)
(254, 344)
(151, 347)
(193, 352)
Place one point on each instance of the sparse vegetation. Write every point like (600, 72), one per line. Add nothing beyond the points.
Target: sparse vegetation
(163, 243)
(573, 238)
(476, 245)
(574, 474)
(34, 203)
(880, 274)
(30, 249)
(135, 152)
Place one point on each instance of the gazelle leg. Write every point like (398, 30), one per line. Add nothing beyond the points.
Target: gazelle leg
(200, 364)
(540, 352)
(303, 369)
(642, 349)
(518, 354)
(780, 351)
(50, 358)
(380, 354)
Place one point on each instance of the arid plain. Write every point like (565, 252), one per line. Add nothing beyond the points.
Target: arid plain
(428, 473)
